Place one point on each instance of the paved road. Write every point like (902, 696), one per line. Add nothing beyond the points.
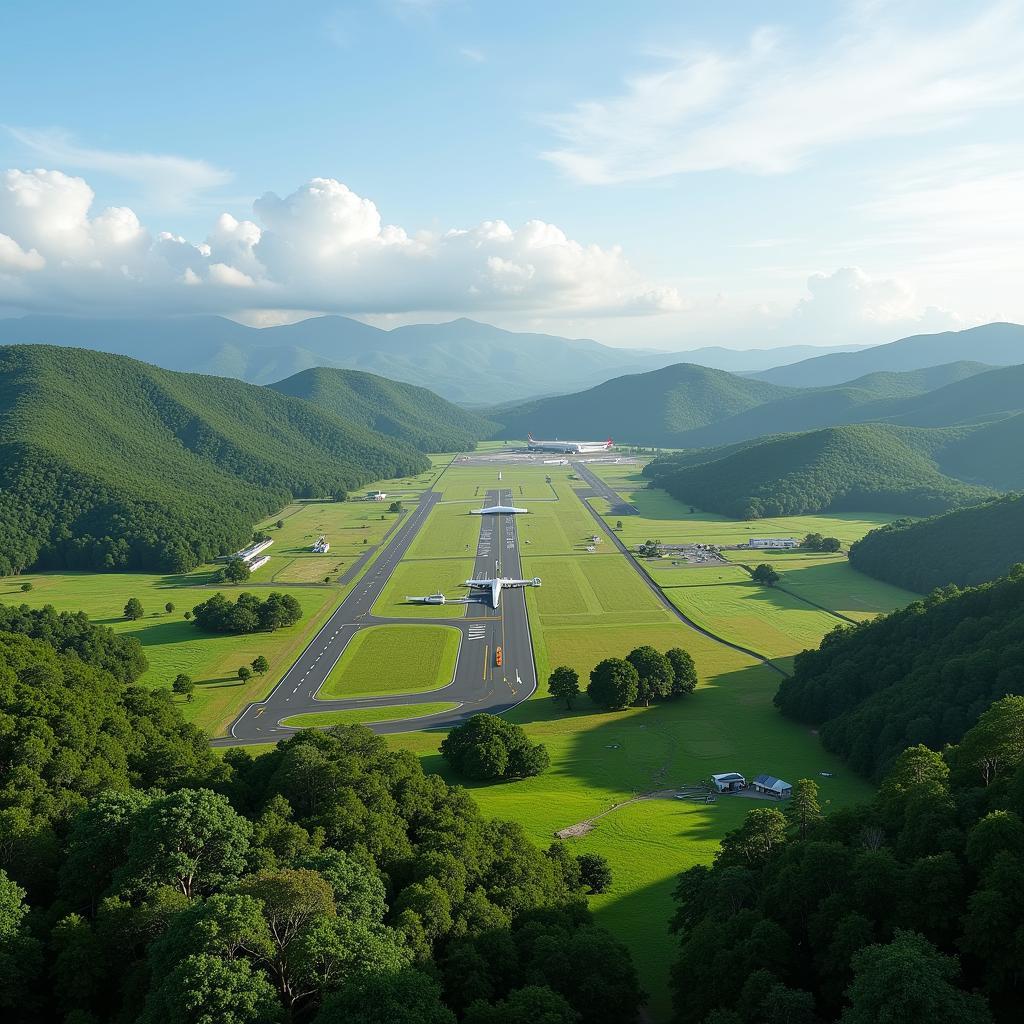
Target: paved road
(605, 491)
(479, 685)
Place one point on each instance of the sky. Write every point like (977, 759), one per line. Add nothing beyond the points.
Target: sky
(654, 175)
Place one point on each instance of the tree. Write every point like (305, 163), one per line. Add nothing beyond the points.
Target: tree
(614, 684)
(245, 673)
(169, 607)
(489, 747)
(534, 1004)
(812, 542)
(654, 673)
(751, 845)
(803, 810)
(183, 686)
(618, 524)
(564, 684)
(765, 575)
(994, 747)
(404, 997)
(260, 665)
(595, 872)
(205, 989)
(187, 615)
(192, 839)
(908, 979)
(684, 672)
(395, 506)
(133, 609)
(26, 587)
(830, 544)
(236, 571)
(279, 524)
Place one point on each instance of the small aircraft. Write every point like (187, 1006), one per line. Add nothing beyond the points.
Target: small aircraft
(498, 584)
(428, 599)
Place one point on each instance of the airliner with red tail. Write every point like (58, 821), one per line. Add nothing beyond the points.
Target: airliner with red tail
(568, 447)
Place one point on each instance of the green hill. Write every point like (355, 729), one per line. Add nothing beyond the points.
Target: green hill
(109, 463)
(655, 408)
(920, 675)
(966, 547)
(993, 455)
(403, 411)
(864, 467)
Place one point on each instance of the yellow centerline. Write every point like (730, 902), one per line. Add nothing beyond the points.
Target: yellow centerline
(487, 648)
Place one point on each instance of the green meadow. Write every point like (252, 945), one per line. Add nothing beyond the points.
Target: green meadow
(418, 578)
(393, 659)
(366, 716)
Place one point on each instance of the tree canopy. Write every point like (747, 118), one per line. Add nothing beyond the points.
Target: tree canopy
(490, 747)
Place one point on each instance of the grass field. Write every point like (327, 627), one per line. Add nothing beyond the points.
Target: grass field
(364, 716)
(393, 659)
(173, 645)
(420, 577)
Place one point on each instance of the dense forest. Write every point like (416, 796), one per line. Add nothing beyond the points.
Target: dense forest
(966, 547)
(908, 909)
(993, 454)
(863, 467)
(411, 414)
(107, 463)
(657, 408)
(144, 879)
(919, 675)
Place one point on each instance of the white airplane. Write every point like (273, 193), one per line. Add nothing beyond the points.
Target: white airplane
(569, 447)
(494, 510)
(498, 584)
(428, 599)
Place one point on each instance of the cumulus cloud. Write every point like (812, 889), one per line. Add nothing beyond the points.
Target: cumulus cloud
(849, 306)
(770, 106)
(323, 247)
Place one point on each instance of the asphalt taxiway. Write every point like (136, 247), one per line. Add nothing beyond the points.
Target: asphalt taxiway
(479, 684)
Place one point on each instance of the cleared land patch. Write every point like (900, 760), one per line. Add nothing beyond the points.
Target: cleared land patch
(393, 659)
(364, 716)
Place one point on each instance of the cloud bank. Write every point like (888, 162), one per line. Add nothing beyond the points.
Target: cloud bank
(320, 248)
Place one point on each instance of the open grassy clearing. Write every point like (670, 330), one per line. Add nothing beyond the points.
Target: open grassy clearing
(365, 716)
(173, 645)
(421, 577)
(465, 483)
(393, 659)
(449, 530)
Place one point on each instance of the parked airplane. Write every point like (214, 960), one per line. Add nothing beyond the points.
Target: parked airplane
(569, 447)
(498, 584)
(494, 510)
(429, 599)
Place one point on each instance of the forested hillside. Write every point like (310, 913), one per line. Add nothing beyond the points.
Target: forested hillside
(966, 547)
(655, 408)
(877, 396)
(413, 415)
(862, 467)
(920, 675)
(904, 911)
(144, 879)
(993, 454)
(107, 463)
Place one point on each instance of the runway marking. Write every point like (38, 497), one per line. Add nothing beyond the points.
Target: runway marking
(487, 648)
(259, 712)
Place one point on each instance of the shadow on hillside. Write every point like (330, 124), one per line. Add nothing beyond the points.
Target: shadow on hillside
(170, 631)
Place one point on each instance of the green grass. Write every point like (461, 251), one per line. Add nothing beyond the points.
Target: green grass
(449, 530)
(393, 659)
(417, 578)
(173, 645)
(364, 716)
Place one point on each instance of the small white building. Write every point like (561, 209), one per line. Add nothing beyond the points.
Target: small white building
(375, 495)
(771, 786)
(248, 554)
(773, 542)
(729, 782)
(258, 563)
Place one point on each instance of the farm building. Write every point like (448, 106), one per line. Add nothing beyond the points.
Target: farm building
(375, 495)
(729, 782)
(771, 786)
(773, 542)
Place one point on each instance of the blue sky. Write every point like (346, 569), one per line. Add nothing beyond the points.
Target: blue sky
(656, 174)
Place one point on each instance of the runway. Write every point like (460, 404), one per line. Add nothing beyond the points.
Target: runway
(479, 685)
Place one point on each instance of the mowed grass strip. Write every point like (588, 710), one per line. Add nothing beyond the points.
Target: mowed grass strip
(418, 578)
(382, 660)
(366, 716)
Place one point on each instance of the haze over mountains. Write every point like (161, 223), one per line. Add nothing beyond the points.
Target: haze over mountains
(462, 360)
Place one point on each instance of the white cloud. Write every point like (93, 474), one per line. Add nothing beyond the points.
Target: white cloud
(768, 108)
(172, 182)
(472, 54)
(321, 248)
(849, 306)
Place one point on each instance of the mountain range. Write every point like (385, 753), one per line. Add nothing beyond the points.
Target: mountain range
(464, 361)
